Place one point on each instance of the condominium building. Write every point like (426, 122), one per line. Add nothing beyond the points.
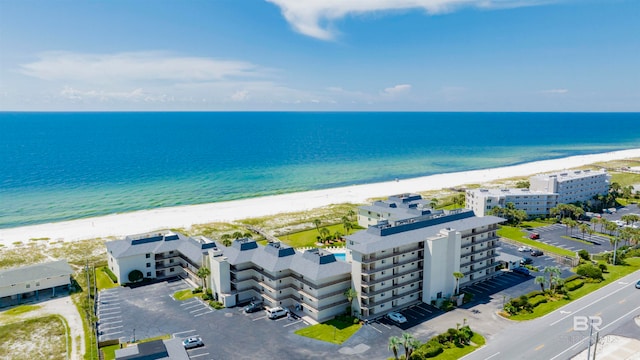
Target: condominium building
(313, 282)
(397, 263)
(157, 255)
(396, 207)
(32, 280)
(535, 203)
(572, 185)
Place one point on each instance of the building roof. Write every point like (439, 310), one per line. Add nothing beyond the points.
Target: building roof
(314, 264)
(159, 242)
(171, 349)
(382, 237)
(507, 192)
(36, 272)
(400, 207)
(569, 174)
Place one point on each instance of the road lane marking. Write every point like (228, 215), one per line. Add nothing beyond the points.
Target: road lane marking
(539, 347)
(586, 306)
(496, 354)
(195, 356)
(262, 317)
(622, 301)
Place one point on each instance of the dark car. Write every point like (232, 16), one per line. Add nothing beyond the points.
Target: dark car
(638, 285)
(521, 270)
(254, 306)
(527, 261)
(537, 253)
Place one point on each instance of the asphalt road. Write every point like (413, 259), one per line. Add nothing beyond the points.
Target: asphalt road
(553, 336)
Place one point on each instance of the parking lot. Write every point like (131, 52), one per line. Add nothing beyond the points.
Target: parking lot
(553, 235)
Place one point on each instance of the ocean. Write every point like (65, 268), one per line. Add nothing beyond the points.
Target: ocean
(63, 166)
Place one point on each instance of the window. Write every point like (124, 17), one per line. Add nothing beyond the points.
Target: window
(147, 255)
(170, 261)
(28, 286)
(148, 274)
(148, 264)
(382, 283)
(37, 283)
(171, 270)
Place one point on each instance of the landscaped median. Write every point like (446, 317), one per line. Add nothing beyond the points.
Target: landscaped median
(335, 331)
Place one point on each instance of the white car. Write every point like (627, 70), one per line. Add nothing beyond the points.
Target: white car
(397, 317)
(192, 342)
(524, 249)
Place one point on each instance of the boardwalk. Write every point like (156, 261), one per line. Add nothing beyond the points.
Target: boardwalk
(264, 233)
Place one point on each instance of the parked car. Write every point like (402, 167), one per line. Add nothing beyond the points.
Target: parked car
(534, 236)
(521, 270)
(276, 312)
(526, 261)
(638, 285)
(254, 306)
(524, 249)
(537, 253)
(397, 317)
(192, 342)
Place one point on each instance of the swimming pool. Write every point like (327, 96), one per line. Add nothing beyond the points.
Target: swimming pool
(340, 256)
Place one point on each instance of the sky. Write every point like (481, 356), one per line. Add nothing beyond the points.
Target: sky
(320, 55)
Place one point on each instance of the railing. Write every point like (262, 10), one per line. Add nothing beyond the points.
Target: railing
(373, 303)
(392, 276)
(390, 266)
(492, 265)
(479, 259)
(374, 258)
(374, 293)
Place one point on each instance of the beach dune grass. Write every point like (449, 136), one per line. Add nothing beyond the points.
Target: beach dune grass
(36, 338)
(334, 331)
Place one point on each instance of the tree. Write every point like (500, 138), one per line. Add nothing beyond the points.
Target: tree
(630, 218)
(584, 228)
(459, 200)
(541, 280)
(408, 342)
(317, 223)
(614, 189)
(203, 272)
(351, 214)
(350, 294)
(346, 223)
(324, 232)
(433, 203)
(237, 235)
(247, 235)
(135, 276)
(552, 271)
(458, 276)
(595, 221)
(611, 227)
(523, 184)
(394, 344)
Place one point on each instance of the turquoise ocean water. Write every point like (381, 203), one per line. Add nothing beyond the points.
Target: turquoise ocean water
(62, 166)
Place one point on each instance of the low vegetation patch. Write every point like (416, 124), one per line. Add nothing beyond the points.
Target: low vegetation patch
(37, 338)
(185, 294)
(105, 278)
(19, 310)
(335, 331)
(452, 344)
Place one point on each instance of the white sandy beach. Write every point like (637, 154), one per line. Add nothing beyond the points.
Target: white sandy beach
(118, 225)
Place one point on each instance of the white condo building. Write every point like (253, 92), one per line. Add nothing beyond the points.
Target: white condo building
(398, 263)
(535, 203)
(545, 192)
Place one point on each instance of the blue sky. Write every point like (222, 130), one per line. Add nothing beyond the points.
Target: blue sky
(320, 55)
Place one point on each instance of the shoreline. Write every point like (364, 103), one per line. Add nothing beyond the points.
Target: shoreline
(120, 225)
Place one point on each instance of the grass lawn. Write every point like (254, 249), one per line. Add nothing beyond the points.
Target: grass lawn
(517, 234)
(615, 273)
(456, 352)
(535, 224)
(109, 352)
(184, 294)
(38, 338)
(309, 237)
(103, 280)
(21, 309)
(333, 331)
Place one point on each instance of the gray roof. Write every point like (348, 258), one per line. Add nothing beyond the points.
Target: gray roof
(160, 242)
(314, 265)
(370, 241)
(36, 272)
(400, 207)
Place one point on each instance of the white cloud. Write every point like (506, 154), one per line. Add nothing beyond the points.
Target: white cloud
(134, 67)
(314, 17)
(398, 89)
(555, 91)
(240, 95)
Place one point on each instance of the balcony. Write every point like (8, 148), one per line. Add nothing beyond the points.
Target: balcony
(162, 256)
(367, 294)
(374, 269)
(487, 248)
(488, 266)
(372, 303)
(393, 276)
(478, 259)
(373, 258)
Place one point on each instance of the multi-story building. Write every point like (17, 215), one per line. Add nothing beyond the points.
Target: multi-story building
(572, 185)
(545, 192)
(396, 207)
(28, 281)
(157, 255)
(398, 263)
(313, 282)
(535, 203)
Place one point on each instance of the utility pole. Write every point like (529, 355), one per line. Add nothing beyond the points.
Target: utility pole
(590, 333)
(595, 346)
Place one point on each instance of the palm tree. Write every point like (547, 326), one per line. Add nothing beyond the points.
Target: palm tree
(433, 203)
(317, 223)
(595, 221)
(611, 227)
(237, 235)
(337, 235)
(552, 271)
(350, 214)
(226, 240)
(324, 232)
(540, 280)
(247, 235)
(346, 223)
(394, 344)
(458, 276)
(459, 200)
(557, 282)
(408, 341)
(584, 228)
(203, 272)
(350, 294)
(566, 223)
(614, 243)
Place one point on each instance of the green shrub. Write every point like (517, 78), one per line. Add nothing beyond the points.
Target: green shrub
(467, 297)
(571, 278)
(535, 293)
(590, 271)
(537, 300)
(216, 305)
(428, 350)
(356, 320)
(603, 267)
(584, 254)
(574, 285)
(196, 290)
(135, 276)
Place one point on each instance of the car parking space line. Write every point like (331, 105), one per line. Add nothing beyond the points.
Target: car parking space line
(192, 306)
(111, 328)
(375, 328)
(208, 312)
(385, 325)
(105, 319)
(260, 318)
(190, 302)
(195, 356)
(196, 310)
(183, 332)
(113, 333)
(99, 313)
(293, 323)
(110, 322)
